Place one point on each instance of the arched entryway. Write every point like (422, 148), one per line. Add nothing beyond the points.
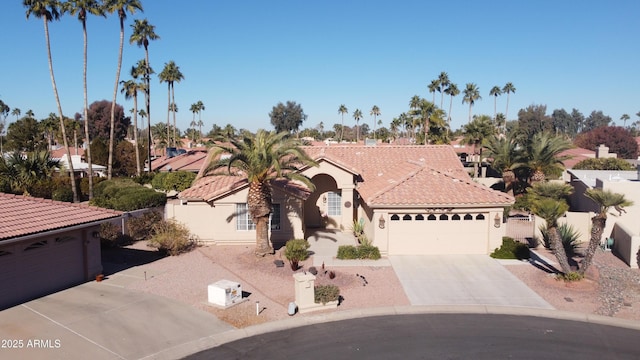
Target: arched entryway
(323, 208)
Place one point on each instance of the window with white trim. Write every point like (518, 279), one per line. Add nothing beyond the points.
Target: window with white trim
(244, 221)
(334, 203)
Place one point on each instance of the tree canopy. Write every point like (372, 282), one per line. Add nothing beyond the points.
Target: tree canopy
(287, 117)
(618, 139)
(100, 120)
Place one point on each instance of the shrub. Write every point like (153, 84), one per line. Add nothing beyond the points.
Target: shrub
(141, 227)
(296, 251)
(604, 164)
(126, 195)
(347, 252)
(62, 194)
(179, 180)
(110, 234)
(368, 252)
(568, 234)
(325, 293)
(572, 276)
(158, 181)
(511, 249)
(144, 178)
(172, 238)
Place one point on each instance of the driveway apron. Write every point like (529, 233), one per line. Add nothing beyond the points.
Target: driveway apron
(462, 280)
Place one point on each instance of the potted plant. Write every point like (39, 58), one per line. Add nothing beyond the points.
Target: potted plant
(296, 251)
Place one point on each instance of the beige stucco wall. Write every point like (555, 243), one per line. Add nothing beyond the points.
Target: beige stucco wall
(217, 223)
(626, 245)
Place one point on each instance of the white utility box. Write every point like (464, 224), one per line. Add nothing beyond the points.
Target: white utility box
(225, 293)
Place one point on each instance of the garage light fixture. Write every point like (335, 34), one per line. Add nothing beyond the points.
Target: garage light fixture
(381, 222)
(497, 221)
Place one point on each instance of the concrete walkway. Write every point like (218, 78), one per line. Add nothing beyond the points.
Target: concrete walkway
(462, 280)
(324, 248)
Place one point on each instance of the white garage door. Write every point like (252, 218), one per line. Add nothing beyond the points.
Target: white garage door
(33, 269)
(436, 234)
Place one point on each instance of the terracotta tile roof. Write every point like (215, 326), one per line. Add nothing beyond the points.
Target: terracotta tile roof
(576, 155)
(192, 161)
(210, 188)
(415, 175)
(60, 152)
(22, 215)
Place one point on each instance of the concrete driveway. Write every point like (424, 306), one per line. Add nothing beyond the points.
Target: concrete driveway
(101, 321)
(462, 280)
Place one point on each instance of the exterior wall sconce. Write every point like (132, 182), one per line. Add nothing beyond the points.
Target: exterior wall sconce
(324, 199)
(497, 221)
(381, 222)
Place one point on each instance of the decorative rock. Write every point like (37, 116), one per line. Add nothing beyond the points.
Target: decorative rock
(279, 263)
(313, 270)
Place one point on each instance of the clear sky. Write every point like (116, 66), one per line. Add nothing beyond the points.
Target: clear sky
(240, 58)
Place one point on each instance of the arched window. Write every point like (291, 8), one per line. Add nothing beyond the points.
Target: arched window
(455, 217)
(419, 217)
(406, 217)
(479, 217)
(431, 217)
(395, 217)
(444, 217)
(468, 217)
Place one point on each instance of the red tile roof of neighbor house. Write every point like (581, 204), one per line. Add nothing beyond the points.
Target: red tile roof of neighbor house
(192, 161)
(23, 215)
(576, 155)
(60, 152)
(388, 175)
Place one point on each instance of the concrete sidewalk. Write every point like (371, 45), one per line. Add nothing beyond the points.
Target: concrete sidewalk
(462, 280)
(98, 321)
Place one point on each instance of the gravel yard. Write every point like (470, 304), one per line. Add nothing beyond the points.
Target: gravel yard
(611, 288)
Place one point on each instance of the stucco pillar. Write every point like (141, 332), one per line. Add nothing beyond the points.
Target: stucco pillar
(348, 206)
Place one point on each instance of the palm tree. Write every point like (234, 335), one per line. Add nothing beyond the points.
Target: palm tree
(506, 157)
(375, 111)
(543, 156)
(83, 8)
(122, 7)
(495, 92)
(30, 114)
(47, 10)
(475, 132)
(357, 115)
(200, 105)
(451, 90)
(160, 137)
(194, 109)
(171, 74)
(433, 87)
(605, 200)
(624, 119)
(4, 112)
(261, 158)
(508, 89)
(142, 33)
(342, 110)
(443, 80)
(550, 210)
(471, 94)
(130, 90)
(16, 112)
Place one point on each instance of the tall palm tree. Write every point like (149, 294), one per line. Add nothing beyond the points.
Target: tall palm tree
(171, 74)
(160, 138)
(443, 80)
(624, 119)
(29, 114)
(83, 8)
(543, 156)
(605, 200)
(471, 94)
(508, 89)
(495, 92)
(4, 112)
(375, 111)
(342, 110)
(261, 158)
(16, 112)
(143, 32)
(122, 7)
(201, 108)
(433, 87)
(48, 10)
(451, 90)
(357, 115)
(194, 109)
(130, 90)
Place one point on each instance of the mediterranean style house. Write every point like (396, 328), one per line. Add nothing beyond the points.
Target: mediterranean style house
(409, 200)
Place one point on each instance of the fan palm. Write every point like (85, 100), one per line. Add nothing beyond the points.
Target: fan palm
(475, 132)
(261, 158)
(543, 156)
(375, 111)
(443, 80)
(508, 89)
(48, 10)
(495, 92)
(130, 90)
(170, 74)
(342, 110)
(433, 87)
(550, 210)
(142, 33)
(471, 94)
(605, 200)
(357, 115)
(201, 108)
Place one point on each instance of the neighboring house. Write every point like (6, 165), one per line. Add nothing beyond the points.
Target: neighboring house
(189, 160)
(576, 155)
(47, 246)
(80, 167)
(410, 199)
(622, 227)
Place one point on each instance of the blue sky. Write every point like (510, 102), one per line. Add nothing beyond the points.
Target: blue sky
(240, 58)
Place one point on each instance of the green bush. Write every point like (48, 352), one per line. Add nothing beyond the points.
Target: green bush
(347, 252)
(144, 178)
(62, 194)
(368, 252)
(84, 185)
(158, 181)
(141, 227)
(604, 164)
(325, 293)
(126, 195)
(511, 249)
(568, 234)
(179, 180)
(171, 237)
(296, 251)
